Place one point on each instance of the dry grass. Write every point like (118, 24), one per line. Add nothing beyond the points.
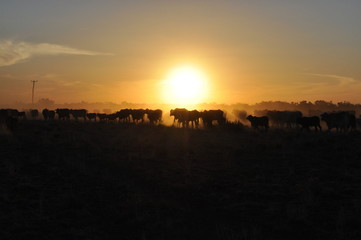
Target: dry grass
(75, 180)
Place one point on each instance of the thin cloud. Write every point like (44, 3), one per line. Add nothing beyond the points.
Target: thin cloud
(64, 83)
(341, 80)
(12, 52)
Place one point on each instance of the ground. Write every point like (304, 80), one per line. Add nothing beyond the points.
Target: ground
(76, 180)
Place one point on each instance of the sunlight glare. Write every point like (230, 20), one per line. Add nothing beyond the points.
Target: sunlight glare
(185, 85)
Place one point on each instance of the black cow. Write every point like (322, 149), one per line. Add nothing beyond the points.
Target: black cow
(11, 123)
(22, 115)
(208, 116)
(78, 113)
(124, 115)
(3, 117)
(34, 113)
(307, 122)
(91, 116)
(353, 123)
(112, 117)
(342, 120)
(137, 115)
(257, 122)
(180, 115)
(12, 113)
(102, 116)
(154, 116)
(45, 113)
(184, 117)
(193, 117)
(51, 114)
(7, 121)
(63, 113)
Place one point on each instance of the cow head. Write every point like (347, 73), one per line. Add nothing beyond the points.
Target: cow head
(249, 117)
(325, 116)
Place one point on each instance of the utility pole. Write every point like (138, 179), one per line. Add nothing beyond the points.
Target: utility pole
(32, 95)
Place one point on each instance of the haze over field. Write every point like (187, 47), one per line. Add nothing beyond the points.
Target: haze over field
(229, 51)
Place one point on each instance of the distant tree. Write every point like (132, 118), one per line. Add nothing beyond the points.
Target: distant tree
(325, 106)
(345, 106)
(305, 107)
(275, 105)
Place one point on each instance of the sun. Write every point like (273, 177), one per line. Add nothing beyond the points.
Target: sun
(185, 85)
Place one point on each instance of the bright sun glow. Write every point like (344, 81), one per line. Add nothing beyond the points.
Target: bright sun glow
(185, 85)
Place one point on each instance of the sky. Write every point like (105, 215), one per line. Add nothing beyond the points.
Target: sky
(115, 51)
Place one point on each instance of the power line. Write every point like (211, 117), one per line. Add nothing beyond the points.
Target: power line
(32, 95)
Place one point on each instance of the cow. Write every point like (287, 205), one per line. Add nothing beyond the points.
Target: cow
(291, 118)
(124, 115)
(102, 116)
(3, 117)
(7, 121)
(341, 121)
(180, 115)
(208, 116)
(112, 117)
(358, 122)
(193, 117)
(257, 122)
(11, 123)
(34, 113)
(353, 123)
(12, 113)
(48, 114)
(51, 114)
(307, 122)
(45, 113)
(22, 115)
(154, 116)
(184, 117)
(137, 115)
(78, 113)
(63, 113)
(91, 116)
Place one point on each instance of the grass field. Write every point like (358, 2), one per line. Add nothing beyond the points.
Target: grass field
(76, 180)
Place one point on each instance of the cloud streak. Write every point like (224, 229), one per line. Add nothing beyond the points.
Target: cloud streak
(12, 52)
(340, 80)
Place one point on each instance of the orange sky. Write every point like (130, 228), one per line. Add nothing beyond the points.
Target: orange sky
(250, 51)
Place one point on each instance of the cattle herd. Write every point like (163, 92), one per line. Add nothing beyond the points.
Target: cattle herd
(340, 120)
(263, 119)
(182, 117)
